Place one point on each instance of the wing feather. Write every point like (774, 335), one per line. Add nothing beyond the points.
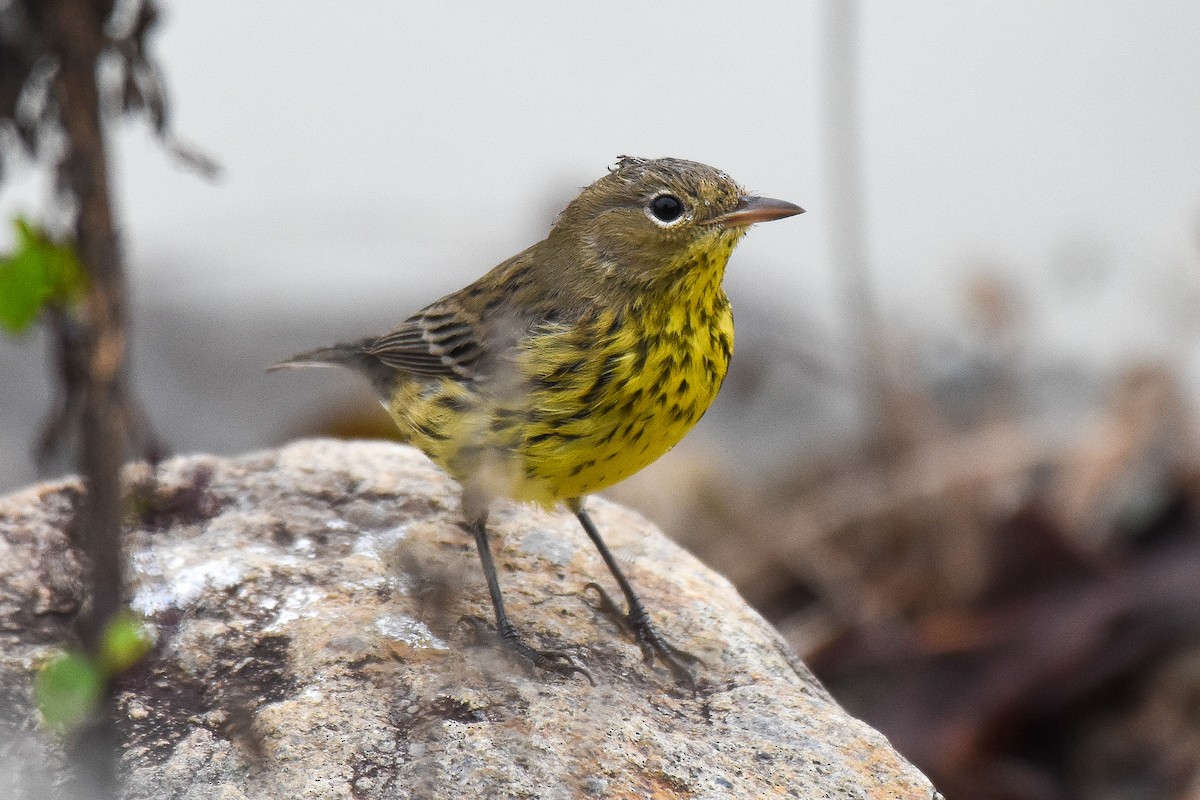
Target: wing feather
(467, 335)
(439, 341)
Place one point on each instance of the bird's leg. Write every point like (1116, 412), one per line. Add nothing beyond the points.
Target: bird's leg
(552, 660)
(635, 618)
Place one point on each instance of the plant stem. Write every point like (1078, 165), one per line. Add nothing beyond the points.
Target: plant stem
(76, 29)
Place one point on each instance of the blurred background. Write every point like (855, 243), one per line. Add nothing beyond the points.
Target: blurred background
(955, 458)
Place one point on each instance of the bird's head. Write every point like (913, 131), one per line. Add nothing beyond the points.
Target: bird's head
(654, 219)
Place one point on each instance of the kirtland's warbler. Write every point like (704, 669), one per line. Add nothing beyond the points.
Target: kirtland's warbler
(575, 363)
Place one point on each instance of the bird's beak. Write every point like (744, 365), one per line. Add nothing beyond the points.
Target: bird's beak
(750, 210)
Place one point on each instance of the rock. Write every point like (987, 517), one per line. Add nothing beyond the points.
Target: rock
(309, 604)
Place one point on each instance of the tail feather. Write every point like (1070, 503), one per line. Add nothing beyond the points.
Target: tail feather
(340, 355)
(351, 356)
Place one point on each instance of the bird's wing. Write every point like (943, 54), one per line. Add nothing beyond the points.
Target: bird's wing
(471, 335)
(441, 340)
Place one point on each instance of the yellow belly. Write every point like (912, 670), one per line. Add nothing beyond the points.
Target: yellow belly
(588, 406)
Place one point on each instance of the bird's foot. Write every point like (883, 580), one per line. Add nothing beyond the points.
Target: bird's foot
(652, 643)
(557, 661)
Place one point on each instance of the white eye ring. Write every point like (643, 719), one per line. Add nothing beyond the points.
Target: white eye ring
(666, 210)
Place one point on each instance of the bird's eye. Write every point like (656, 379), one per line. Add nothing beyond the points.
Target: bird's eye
(666, 208)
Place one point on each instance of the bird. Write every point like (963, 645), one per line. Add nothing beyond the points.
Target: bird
(575, 363)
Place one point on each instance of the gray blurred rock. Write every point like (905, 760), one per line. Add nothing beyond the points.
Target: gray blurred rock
(309, 603)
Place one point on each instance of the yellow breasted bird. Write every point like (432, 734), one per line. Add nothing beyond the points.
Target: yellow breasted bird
(576, 362)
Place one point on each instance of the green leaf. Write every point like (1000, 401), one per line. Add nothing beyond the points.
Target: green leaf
(126, 641)
(40, 272)
(68, 691)
(23, 290)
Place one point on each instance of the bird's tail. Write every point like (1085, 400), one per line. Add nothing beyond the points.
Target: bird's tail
(340, 355)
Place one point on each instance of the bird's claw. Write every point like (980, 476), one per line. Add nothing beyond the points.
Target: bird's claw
(652, 643)
(557, 661)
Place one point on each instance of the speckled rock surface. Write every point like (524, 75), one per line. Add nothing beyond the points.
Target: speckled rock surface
(310, 606)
